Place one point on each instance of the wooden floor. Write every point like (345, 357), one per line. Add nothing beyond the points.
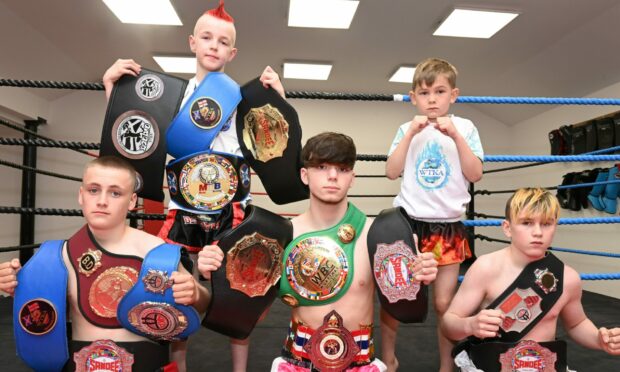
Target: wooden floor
(416, 348)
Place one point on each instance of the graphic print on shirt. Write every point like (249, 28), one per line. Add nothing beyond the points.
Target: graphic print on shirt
(432, 169)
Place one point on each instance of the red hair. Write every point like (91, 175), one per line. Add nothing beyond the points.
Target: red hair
(220, 13)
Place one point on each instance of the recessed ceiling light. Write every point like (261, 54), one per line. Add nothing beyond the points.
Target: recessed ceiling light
(151, 12)
(179, 65)
(474, 23)
(308, 71)
(404, 74)
(321, 13)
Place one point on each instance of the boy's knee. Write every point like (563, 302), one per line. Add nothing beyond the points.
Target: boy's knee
(441, 305)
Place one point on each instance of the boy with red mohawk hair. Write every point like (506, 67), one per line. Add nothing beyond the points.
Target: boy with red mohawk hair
(221, 13)
(213, 43)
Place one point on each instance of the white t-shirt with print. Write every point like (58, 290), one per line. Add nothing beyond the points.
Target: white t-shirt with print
(433, 185)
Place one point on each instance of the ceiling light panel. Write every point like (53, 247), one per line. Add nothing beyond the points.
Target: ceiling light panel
(150, 12)
(321, 13)
(308, 71)
(179, 65)
(404, 74)
(474, 23)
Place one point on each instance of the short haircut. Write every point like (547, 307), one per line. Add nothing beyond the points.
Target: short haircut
(534, 201)
(429, 69)
(329, 147)
(115, 162)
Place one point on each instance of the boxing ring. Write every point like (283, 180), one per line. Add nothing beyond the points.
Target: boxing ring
(474, 222)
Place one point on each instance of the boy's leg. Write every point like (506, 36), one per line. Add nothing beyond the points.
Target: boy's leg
(389, 328)
(178, 354)
(443, 291)
(239, 350)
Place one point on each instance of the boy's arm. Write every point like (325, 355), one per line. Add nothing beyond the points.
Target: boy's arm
(578, 326)
(425, 268)
(270, 78)
(187, 291)
(396, 160)
(456, 323)
(471, 165)
(118, 69)
(209, 259)
(8, 276)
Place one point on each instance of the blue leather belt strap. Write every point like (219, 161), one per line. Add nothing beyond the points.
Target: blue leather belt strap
(203, 115)
(164, 257)
(41, 328)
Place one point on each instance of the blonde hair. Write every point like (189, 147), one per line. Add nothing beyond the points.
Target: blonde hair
(534, 201)
(429, 69)
(109, 161)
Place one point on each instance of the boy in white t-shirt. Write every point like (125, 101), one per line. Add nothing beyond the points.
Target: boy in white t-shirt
(438, 155)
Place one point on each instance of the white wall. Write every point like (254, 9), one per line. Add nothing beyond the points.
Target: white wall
(530, 137)
(78, 117)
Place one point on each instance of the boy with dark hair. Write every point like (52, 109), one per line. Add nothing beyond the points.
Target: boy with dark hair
(327, 277)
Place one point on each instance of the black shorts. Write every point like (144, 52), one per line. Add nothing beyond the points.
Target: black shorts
(194, 231)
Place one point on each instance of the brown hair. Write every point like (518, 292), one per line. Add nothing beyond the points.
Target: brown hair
(429, 69)
(535, 201)
(329, 147)
(115, 162)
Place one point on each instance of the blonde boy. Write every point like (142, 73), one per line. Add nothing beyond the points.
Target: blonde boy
(511, 299)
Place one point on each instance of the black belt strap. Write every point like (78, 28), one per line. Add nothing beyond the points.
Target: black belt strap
(232, 312)
(138, 114)
(270, 138)
(388, 228)
(527, 279)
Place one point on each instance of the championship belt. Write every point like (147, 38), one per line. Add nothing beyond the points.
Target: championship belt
(39, 309)
(393, 253)
(203, 115)
(524, 356)
(332, 347)
(148, 309)
(103, 278)
(206, 182)
(253, 265)
(318, 266)
(529, 297)
(103, 355)
(139, 111)
(270, 138)
(524, 303)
